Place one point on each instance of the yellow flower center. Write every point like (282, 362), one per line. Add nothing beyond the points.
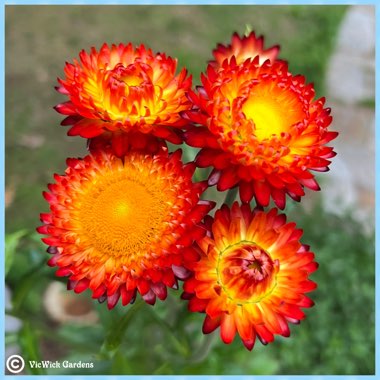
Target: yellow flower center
(132, 75)
(121, 212)
(273, 111)
(246, 272)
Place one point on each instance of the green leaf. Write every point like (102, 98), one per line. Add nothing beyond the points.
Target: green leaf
(11, 338)
(25, 286)
(78, 336)
(248, 29)
(11, 243)
(30, 348)
(164, 369)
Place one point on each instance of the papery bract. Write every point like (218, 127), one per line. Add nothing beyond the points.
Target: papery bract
(121, 89)
(251, 275)
(261, 130)
(122, 225)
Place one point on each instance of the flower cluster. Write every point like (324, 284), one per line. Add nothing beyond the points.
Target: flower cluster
(128, 220)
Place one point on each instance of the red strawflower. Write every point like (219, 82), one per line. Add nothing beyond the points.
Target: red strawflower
(261, 129)
(122, 89)
(251, 275)
(121, 225)
(242, 48)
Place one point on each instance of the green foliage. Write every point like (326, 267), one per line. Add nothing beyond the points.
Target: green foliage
(28, 340)
(11, 243)
(342, 320)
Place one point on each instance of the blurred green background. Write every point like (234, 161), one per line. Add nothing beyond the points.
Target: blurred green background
(338, 335)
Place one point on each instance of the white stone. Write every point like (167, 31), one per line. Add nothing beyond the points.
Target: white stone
(351, 72)
(12, 324)
(339, 189)
(357, 32)
(347, 79)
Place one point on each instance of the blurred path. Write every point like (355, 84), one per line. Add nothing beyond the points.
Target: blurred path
(351, 95)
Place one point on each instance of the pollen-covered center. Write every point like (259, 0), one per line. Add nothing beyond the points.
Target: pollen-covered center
(272, 109)
(247, 272)
(122, 212)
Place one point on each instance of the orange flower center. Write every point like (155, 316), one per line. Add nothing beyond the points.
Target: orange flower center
(246, 272)
(121, 212)
(272, 110)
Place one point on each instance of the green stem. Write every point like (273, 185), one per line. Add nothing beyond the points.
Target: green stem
(231, 196)
(164, 369)
(116, 333)
(184, 350)
(202, 352)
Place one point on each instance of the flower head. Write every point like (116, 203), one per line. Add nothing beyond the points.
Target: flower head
(261, 129)
(242, 48)
(124, 89)
(251, 276)
(121, 225)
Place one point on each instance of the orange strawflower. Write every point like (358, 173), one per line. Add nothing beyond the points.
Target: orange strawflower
(121, 225)
(124, 89)
(261, 129)
(242, 48)
(251, 275)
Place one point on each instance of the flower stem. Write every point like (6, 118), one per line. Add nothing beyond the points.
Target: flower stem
(231, 196)
(181, 347)
(117, 330)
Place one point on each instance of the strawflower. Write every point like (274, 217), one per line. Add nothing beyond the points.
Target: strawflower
(261, 129)
(251, 276)
(122, 89)
(118, 226)
(242, 48)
